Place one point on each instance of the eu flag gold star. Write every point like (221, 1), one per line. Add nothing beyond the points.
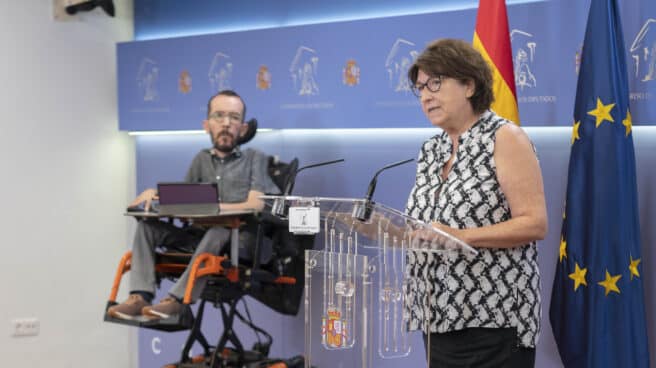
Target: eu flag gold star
(602, 112)
(610, 283)
(633, 267)
(565, 210)
(563, 249)
(578, 276)
(627, 122)
(575, 132)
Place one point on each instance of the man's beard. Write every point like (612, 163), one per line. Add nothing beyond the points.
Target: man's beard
(224, 145)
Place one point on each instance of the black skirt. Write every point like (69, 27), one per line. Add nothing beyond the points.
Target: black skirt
(478, 348)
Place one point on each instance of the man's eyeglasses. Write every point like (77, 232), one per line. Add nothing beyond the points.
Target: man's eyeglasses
(433, 84)
(218, 116)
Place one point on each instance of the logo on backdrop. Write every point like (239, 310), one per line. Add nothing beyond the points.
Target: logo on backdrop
(643, 52)
(220, 72)
(147, 77)
(351, 73)
(303, 71)
(524, 58)
(524, 63)
(184, 82)
(399, 60)
(263, 78)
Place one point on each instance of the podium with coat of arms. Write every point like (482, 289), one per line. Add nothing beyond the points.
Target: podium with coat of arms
(355, 280)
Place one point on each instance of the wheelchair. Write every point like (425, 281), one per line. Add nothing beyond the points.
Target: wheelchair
(277, 283)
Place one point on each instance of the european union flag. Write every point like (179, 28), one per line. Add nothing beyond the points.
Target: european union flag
(597, 310)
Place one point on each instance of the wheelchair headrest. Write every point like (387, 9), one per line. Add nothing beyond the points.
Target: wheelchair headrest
(283, 174)
(248, 133)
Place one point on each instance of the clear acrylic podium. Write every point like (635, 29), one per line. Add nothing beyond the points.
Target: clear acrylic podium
(355, 284)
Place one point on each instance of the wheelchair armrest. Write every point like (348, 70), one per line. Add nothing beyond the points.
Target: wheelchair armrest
(205, 264)
(123, 267)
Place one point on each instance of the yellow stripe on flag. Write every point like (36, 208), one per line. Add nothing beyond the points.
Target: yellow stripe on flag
(492, 40)
(505, 103)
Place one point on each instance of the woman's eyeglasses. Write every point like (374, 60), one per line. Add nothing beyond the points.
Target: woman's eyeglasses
(433, 84)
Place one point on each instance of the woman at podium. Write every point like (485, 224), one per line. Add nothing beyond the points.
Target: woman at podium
(478, 179)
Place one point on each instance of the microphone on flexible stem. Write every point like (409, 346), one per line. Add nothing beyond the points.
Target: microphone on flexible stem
(278, 207)
(363, 211)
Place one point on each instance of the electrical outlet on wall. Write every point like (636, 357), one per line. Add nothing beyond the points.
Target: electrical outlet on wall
(25, 327)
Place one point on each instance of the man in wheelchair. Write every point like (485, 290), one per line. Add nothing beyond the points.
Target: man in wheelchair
(242, 177)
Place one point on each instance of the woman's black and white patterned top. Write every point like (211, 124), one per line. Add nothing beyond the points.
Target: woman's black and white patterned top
(496, 287)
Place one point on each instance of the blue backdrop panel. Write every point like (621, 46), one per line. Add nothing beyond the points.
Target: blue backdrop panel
(166, 18)
(338, 75)
(353, 74)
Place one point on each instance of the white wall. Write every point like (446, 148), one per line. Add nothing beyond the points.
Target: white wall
(67, 173)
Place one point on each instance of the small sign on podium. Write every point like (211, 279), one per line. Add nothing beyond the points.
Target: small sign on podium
(304, 220)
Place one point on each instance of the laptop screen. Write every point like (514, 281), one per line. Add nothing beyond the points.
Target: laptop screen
(187, 193)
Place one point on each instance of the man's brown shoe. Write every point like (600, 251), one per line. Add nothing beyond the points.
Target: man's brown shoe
(130, 308)
(166, 308)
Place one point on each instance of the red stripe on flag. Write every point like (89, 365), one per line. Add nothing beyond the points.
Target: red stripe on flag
(492, 31)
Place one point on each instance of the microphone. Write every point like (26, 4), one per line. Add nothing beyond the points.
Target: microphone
(278, 207)
(289, 185)
(363, 212)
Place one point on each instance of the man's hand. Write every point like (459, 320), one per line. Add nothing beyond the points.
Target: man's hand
(147, 197)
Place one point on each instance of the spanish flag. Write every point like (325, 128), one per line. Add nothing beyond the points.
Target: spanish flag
(492, 40)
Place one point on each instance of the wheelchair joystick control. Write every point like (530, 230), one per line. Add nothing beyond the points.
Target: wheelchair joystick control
(278, 207)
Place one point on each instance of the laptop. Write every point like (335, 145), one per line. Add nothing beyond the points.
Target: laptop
(188, 199)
